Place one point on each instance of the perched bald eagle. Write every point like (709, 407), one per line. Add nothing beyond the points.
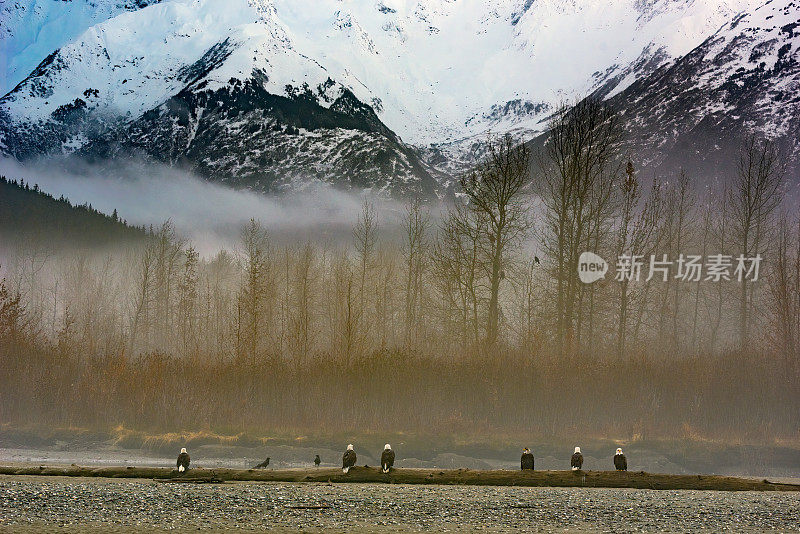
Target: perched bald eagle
(348, 459)
(526, 462)
(263, 464)
(387, 458)
(577, 459)
(183, 460)
(620, 462)
(317, 461)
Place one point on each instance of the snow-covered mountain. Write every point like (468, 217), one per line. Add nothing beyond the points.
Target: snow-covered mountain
(214, 85)
(695, 111)
(32, 30)
(391, 94)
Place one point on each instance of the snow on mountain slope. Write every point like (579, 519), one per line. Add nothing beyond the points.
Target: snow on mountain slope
(31, 29)
(696, 111)
(305, 77)
(436, 70)
(245, 136)
(447, 70)
(93, 95)
(137, 60)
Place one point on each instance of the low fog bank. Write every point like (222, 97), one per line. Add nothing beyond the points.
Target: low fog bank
(210, 215)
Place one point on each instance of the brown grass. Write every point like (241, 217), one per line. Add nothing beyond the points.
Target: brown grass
(470, 398)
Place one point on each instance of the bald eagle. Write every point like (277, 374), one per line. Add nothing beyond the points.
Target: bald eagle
(526, 462)
(577, 459)
(387, 458)
(183, 460)
(317, 461)
(348, 459)
(620, 462)
(263, 464)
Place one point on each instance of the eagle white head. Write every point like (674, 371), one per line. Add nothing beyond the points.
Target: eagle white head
(387, 447)
(577, 449)
(350, 447)
(183, 450)
(619, 451)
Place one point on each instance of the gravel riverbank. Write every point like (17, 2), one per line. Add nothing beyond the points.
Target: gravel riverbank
(30, 504)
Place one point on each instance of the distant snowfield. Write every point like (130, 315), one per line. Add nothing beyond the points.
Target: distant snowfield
(435, 70)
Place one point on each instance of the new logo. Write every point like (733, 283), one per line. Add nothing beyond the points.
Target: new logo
(591, 267)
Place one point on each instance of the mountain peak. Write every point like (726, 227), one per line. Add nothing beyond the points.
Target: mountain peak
(437, 74)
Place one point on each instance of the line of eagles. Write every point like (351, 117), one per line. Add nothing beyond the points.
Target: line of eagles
(349, 459)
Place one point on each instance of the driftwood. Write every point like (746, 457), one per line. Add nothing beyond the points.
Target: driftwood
(191, 480)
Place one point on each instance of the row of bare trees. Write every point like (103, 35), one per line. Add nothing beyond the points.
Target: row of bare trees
(469, 279)
(495, 273)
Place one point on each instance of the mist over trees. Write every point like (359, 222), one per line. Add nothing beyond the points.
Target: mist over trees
(469, 321)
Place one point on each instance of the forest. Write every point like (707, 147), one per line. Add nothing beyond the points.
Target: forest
(469, 321)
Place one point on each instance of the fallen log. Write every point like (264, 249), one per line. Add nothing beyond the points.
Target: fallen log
(586, 479)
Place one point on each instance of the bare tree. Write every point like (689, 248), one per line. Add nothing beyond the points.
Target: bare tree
(683, 232)
(721, 236)
(784, 286)
(674, 232)
(456, 261)
(255, 289)
(415, 223)
(636, 235)
(529, 293)
(578, 168)
(219, 298)
(753, 199)
(302, 337)
(143, 298)
(707, 219)
(168, 249)
(13, 316)
(385, 288)
(496, 190)
(187, 300)
(365, 236)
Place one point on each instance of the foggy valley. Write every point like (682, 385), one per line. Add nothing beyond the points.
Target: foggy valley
(399, 265)
(377, 316)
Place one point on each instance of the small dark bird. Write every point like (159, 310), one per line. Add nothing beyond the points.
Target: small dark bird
(317, 461)
(263, 464)
(348, 459)
(620, 462)
(183, 460)
(526, 462)
(536, 259)
(387, 458)
(577, 459)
